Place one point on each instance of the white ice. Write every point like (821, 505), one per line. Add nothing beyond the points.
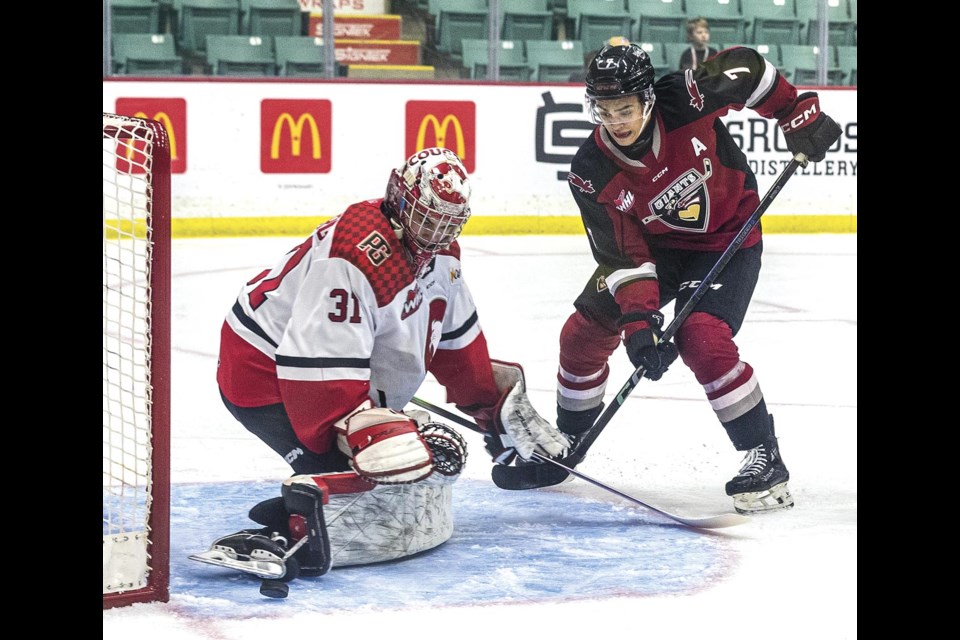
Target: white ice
(791, 574)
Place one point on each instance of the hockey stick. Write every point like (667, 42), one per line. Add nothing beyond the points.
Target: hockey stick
(533, 476)
(707, 522)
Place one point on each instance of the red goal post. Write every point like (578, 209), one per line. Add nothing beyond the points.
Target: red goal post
(136, 361)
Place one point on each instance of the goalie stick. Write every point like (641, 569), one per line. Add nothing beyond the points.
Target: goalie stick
(534, 476)
(719, 521)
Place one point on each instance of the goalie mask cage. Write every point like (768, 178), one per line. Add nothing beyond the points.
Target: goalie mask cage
(136, 361)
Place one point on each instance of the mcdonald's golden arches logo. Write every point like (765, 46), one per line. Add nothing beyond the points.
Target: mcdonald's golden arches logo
(295, 136)
(172, 114)
(450, 124)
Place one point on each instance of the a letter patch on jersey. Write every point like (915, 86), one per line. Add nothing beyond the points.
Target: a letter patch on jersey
(685, 203)
(601, 284)
(376, 248)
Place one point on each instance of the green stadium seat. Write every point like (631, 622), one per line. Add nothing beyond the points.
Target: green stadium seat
(847, 61)
(145, 54)
(659, 20)
(240, 56)
(657, 57)
(672, 52)
(302, 56)
(594, 23)
(435, 6)
(727, 23)
(271, 18)
(134, 16)
(512, 60)
(554, 60)
(198, 19)
(525, 20)
(456, 22)
(841, 27)
(800, 63)
(772, 21)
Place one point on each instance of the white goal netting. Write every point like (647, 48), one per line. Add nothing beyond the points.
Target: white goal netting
(135, 294)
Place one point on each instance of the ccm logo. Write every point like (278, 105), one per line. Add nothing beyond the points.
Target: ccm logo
(800, 120)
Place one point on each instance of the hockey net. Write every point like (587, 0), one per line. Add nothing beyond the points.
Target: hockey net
(136, 361)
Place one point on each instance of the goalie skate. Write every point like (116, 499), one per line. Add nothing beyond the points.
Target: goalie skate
(250, 551)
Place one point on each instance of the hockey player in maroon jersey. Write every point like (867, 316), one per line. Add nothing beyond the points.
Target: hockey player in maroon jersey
(663, 189)
(321, 353)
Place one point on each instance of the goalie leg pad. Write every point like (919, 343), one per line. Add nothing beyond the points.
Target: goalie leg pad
(304, 497)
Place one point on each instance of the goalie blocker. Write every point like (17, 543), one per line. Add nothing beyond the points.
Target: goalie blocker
(305, 534)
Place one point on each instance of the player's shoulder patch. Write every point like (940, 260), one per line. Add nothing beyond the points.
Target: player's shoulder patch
(365, 239)
(583, 168)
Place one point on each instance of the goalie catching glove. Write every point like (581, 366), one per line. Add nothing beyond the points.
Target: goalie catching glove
(513, 427)
(384, 445)
(389, 447)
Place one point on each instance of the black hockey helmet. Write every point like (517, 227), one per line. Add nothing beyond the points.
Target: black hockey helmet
(617, 72)
(620, 70)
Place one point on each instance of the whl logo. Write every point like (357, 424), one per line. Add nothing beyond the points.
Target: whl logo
(624, 201)
(412, 303)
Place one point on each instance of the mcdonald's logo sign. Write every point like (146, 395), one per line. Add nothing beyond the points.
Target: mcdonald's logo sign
(295, 136)
(172, 114)
(449, 124)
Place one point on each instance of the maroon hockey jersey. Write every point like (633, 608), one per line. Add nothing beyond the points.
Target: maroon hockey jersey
(691, 188)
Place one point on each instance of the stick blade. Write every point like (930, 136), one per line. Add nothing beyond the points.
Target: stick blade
(534, 475)
(720, 521)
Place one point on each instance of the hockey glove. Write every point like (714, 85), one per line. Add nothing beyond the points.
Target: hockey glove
(384, 445)
(513, 426)
(808, 130)
(640, 333)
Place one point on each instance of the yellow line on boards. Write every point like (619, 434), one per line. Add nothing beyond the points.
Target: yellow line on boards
(227, 227)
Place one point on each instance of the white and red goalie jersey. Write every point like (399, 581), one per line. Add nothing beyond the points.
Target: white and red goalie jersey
(343, 318)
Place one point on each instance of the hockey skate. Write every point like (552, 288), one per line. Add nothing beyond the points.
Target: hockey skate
(254, 551)
(761, 484)
(266, 553)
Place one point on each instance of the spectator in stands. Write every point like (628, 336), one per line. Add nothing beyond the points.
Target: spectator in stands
(698, 33)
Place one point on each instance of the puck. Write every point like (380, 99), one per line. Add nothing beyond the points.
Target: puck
(274, 589)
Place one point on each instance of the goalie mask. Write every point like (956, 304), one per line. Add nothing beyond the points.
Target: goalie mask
(429, 198)
(614, 76)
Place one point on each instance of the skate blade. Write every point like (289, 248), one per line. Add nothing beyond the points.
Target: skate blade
(266, 566)
(776, 498)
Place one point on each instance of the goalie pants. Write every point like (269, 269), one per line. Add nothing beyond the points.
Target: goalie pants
(705, 340)
(271, 424)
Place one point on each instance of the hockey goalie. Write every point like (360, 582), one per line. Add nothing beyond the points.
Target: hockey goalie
(320, 354)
